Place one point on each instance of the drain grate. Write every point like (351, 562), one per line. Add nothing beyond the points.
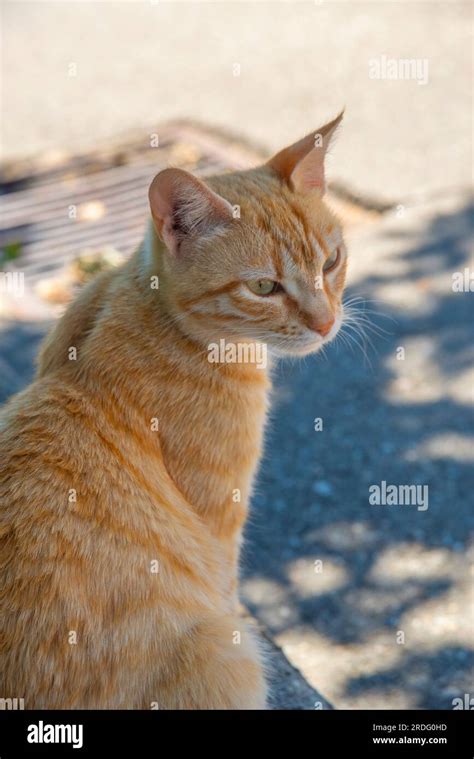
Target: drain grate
(52, 214)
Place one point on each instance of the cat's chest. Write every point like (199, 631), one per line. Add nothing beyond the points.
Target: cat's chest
(212, 443)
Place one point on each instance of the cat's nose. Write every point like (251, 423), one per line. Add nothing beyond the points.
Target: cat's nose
(322, 329)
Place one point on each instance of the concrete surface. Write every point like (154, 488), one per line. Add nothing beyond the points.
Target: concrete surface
(288, 689)
(74, 73)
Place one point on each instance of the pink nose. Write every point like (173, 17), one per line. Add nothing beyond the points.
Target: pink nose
(324, 329)
(321, 329)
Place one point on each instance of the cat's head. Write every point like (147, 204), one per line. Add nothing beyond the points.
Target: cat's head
(254, 255)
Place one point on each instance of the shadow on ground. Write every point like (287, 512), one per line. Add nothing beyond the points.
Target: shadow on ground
(391, 569)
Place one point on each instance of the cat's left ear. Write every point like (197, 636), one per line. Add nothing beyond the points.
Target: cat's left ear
(301, 165)
(182, 207)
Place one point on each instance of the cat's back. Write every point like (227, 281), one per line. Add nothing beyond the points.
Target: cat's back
(65, 458)
(97, 562)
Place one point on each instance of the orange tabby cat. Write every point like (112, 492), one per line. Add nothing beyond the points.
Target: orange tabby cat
(127, 466)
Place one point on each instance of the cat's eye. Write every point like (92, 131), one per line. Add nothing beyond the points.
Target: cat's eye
(332, 261)
(263, 286)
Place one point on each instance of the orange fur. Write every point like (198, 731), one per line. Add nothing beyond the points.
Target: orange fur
(120, 534)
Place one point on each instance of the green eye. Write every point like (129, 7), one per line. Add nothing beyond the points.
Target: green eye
(333, 260)
(263, 286)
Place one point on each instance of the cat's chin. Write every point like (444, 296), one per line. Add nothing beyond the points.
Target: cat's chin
(298, 348)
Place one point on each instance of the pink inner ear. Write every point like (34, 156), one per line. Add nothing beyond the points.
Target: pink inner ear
(308, 174)
(302, 164)
(181, 204)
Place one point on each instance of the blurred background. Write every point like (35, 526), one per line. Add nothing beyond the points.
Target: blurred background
(372, 603)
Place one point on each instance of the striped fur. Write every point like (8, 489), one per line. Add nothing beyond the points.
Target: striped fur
(126, 472)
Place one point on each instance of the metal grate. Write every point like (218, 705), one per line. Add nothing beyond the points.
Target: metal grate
(53, 214)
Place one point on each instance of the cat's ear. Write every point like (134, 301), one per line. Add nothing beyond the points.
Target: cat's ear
(301, 165)
(182, 205)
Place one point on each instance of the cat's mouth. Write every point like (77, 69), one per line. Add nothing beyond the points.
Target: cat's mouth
(308, 342)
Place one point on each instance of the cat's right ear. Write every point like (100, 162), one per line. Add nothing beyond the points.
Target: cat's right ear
(301, 165)
(182, 206)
